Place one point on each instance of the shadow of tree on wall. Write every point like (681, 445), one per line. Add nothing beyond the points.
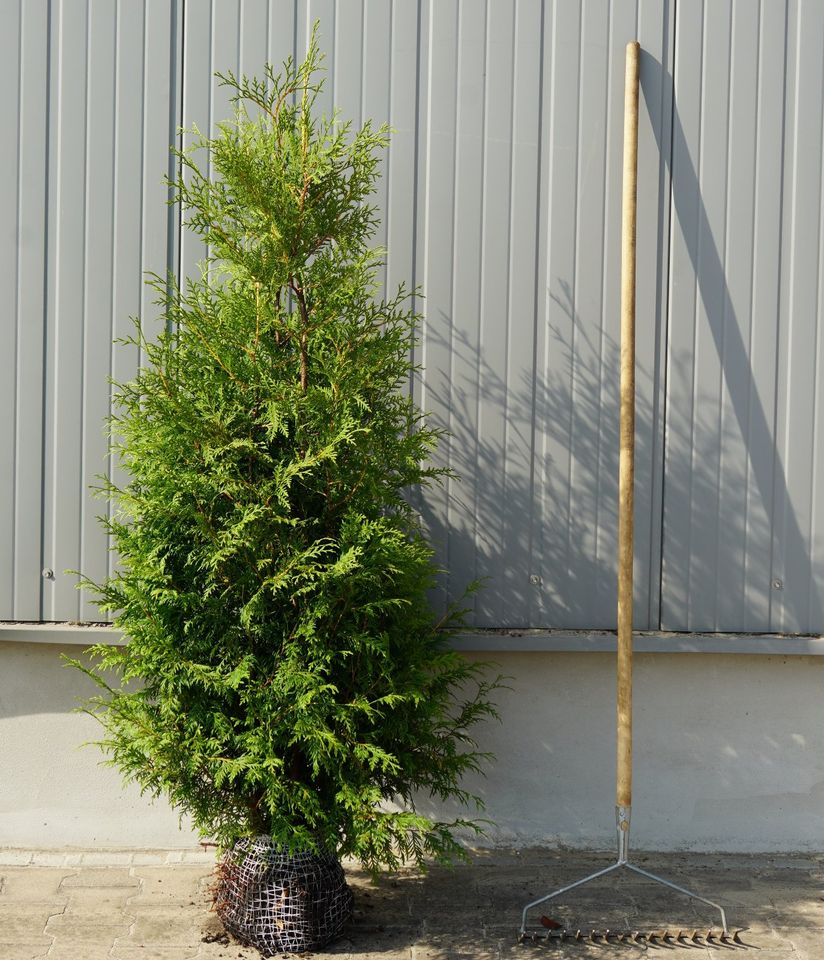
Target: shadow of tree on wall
(538, 458)
(535, 510)
(529, 502)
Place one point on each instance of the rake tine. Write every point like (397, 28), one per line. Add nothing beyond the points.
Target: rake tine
(665, 937)
(723, 938)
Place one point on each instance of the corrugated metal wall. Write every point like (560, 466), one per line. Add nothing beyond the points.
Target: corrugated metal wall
(89, 107)
(501, 197)
(24, 65)
(743, 519)
(519, 206)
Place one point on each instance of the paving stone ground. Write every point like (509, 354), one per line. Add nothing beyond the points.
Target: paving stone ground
(155, 906)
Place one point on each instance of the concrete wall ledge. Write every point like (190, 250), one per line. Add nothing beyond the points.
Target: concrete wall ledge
(604, 641)
(82, 634)
(498, 641)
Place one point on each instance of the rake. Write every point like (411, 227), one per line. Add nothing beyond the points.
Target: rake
(623, 788)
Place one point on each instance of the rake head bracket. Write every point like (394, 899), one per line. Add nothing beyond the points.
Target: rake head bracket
(664, 936)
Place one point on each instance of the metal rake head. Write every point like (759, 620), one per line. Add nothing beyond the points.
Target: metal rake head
(663, 937)
(553, 930)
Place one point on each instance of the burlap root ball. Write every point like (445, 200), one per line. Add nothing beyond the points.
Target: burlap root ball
(281, 902)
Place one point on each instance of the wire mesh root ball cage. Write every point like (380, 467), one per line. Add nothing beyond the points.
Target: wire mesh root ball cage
(281, 902)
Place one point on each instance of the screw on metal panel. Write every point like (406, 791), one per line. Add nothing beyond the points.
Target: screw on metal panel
(535, 580)
(48, 573)
(778, 584)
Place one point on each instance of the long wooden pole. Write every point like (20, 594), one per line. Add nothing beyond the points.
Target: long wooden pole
(623, 785)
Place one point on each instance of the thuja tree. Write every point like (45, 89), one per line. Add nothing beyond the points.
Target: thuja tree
(284, 675)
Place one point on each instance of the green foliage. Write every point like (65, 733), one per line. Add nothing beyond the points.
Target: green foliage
(284, 674)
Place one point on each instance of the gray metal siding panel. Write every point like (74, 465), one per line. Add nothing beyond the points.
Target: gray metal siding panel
(437, 195)
(23, 53)
(98, 257)
(112, 115)
(31, 312)
(224, 36)
(798, 500)
(468, 215)
(369, 72)
(576, 379)
(740, 521)
(10, 69)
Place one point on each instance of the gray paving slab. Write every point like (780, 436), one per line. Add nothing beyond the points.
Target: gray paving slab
(156, 907)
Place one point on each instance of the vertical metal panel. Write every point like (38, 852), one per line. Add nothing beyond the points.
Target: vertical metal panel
(464, 269)
(197, 103)
(98, 261)
(369, 72)
(485, 467)
(518, 251)
(401, 161)
(798, 533)
(10, 70)
(741, 524)
(696, 300)
(67, 329)
(436, 204)
(24, 71)
(113, 113)
(577, 330)
(32, 147)
(238, 36)
(211, 42)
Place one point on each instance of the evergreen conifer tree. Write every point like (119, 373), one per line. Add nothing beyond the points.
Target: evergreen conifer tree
(284, 674)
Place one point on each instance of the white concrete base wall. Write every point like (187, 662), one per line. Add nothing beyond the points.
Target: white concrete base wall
(729, 755)
(54, 792)
(728, 752)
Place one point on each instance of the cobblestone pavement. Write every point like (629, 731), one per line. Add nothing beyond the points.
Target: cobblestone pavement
(155, 906)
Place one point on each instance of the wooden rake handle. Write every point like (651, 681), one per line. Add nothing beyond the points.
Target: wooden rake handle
(626, 469)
